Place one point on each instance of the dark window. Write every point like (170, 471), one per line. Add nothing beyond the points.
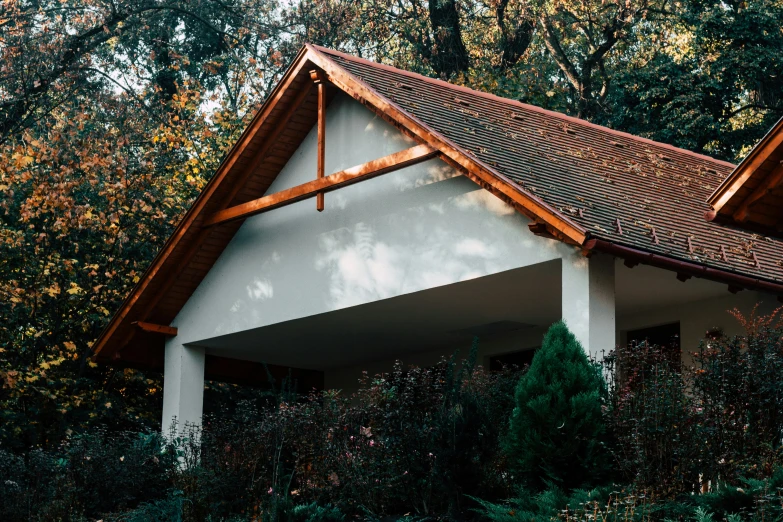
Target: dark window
(665, 335)
(518, 359)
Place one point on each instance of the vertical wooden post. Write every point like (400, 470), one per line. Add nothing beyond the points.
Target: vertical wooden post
(319, 79)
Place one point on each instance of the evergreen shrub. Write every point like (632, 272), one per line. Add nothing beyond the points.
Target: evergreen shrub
(557, 429)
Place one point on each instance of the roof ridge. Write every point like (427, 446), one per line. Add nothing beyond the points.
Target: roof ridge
(527, 106)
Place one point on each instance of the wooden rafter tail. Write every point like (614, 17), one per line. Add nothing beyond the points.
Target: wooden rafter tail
(168, 331)
(319, 78)
(390, 163)
(768, 185)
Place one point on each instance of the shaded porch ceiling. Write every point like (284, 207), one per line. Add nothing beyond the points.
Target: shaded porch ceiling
(450, 315)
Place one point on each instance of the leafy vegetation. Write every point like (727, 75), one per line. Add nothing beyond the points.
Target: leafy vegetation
(413, 441)
(427, 444)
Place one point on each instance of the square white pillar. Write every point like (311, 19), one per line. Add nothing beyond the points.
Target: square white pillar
(588, 301)
(183, 386)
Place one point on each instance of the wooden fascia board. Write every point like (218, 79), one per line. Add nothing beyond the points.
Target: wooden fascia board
(196, 210)
(371, 169)
(475, 169)
(771, 182)
(743, 171)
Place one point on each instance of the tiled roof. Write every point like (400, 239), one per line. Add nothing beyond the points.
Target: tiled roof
(621, 188)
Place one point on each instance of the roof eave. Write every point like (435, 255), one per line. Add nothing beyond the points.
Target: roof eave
(680, 266)
(747, 166)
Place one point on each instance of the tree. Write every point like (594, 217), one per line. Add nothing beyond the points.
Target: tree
(580, 37)
(556, 430)
(709, 81)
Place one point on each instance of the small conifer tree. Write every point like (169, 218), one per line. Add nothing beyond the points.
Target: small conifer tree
(556, 430)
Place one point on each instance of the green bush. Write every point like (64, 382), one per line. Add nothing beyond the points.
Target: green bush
(557, 430)
(419, 443)
(88, 475)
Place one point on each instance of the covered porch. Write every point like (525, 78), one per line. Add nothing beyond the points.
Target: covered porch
(601, 299)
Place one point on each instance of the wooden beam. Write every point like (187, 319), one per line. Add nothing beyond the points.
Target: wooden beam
(769, 184)
(238, 184)
(540, 229)
(337, 180)
(169, 331)
(480, 173)
(319, 78)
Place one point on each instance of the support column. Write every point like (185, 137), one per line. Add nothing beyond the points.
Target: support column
(183, 386)
(588, 301)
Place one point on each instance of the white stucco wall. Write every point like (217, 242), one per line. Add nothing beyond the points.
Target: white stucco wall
(414, 229)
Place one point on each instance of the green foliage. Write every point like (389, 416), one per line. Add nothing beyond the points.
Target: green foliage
(412, 441)
(680, 429)
(580, 505)
(747, 500)
(315, 513)
(556, 431)
(704, 79)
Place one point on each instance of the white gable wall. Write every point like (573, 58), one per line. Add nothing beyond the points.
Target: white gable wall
(413, 229)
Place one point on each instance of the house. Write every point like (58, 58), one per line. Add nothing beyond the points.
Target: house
(369, 214)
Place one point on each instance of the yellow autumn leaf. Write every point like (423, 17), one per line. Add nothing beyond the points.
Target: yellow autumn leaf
(70, 346)
(74, 289)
